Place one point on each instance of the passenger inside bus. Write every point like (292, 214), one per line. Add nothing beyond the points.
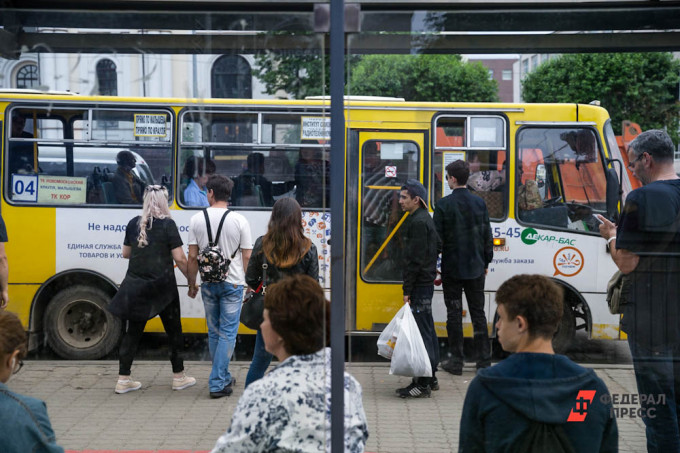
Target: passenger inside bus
(128, 188)
(487, 182)
(21, 155)
(197, 170)
(251, 188)
(312, 179)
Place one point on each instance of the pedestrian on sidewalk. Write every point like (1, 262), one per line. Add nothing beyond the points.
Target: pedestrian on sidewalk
(289, 408)
(149, 288)
(535, 400)
(462, 222)
(286, 251)
(645, 246)
(24, 423)
(421, 248)
(223, 294)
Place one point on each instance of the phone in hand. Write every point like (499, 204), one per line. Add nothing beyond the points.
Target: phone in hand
(597, 217)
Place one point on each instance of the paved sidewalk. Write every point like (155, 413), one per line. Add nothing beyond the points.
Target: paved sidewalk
(87, 415)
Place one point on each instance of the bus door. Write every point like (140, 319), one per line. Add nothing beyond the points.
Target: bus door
(386, 161)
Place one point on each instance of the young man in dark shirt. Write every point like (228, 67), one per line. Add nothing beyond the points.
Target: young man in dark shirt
(462, 221)
(421, 248)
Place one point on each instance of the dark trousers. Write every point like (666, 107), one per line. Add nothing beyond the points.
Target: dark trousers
(453, 298)
(657, 373)
(171, 318)
(421, 307)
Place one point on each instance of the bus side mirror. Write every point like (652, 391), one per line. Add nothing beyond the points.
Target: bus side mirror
(613, 193)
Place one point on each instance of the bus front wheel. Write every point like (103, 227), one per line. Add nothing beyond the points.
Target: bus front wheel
(565, 331)
(78, 326)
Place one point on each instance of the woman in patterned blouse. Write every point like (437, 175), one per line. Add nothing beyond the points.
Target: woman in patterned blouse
(289, 409)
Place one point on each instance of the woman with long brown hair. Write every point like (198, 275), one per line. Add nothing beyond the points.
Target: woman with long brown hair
(286, 251)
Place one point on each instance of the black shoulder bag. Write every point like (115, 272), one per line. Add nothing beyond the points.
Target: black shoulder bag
(253, 304)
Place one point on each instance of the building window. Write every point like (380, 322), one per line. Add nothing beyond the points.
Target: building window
(231, 78)
(107, 78)
(534, 61)
(27, 76)
(507, 74)
(525, 67)
(490, 74)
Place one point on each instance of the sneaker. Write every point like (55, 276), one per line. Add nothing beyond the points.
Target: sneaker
(449, 367)
(226, 391)
(183, 382)
(434, 385)
(127, 385)
(415, 391)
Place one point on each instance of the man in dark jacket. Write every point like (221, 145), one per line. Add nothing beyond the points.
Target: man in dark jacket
(534, 390)
(462, 221)
(421, 248)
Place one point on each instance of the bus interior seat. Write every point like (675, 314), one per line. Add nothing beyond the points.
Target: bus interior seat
(109, 193)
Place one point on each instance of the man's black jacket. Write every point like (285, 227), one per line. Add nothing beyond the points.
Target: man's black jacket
(462, 221)
(421, 248)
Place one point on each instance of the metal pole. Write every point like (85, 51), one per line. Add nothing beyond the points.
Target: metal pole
(337, 54)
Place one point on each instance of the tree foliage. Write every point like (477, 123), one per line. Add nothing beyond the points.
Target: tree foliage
(413, 77)
(641, 87)
(424, 78)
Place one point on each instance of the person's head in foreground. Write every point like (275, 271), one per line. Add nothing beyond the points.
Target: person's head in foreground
(529, 312)
(25, 421)
(12, 345)
(535, 400)
(296, 317)
(289, 408)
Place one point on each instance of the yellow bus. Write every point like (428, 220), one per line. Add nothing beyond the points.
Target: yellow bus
(66, 226)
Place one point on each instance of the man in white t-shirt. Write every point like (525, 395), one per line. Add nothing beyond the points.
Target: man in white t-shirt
(221, 300)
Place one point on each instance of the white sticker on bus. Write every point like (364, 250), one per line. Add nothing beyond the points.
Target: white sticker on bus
(148, 125)
(25, 188)
(316, 128)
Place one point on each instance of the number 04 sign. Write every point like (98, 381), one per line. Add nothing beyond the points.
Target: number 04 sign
(25, 188)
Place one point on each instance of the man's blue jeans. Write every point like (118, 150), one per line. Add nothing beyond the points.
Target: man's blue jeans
(261, 361)
(222, 302)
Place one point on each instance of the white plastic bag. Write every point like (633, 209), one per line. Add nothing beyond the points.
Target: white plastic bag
(388, 337)
(410, 357)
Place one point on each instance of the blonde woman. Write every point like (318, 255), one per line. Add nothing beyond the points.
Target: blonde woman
(152, 243)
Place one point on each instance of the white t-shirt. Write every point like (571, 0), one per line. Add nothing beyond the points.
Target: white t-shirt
(235, 233)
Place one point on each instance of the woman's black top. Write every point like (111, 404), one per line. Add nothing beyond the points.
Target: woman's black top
(150, 284)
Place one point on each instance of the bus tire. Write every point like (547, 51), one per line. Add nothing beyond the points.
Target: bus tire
(78, 326)
(565, 332)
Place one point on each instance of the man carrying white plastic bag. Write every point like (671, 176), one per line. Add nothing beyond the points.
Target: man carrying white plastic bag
(421, 246)
(406, 348)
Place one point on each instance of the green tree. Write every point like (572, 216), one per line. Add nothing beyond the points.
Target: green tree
(425, 77)
(641, 87)
(413, 77)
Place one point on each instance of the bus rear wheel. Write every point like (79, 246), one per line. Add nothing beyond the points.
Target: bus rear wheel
(78, 326)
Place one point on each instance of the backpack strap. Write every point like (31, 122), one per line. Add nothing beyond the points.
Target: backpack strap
(207, 224)
(264, 272)
(219, 230)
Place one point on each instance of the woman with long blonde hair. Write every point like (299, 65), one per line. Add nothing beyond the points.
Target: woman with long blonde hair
(152, 243)
(287, 251)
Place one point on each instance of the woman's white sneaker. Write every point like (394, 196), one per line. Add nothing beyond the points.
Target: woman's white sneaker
(127, 385)
(183, 382)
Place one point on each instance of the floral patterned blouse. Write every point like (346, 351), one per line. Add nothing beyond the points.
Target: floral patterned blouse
(289, 410)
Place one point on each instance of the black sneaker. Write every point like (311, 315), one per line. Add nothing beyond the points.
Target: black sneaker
(415, 391)
(434, 385)
(449, 367)
(226, 391)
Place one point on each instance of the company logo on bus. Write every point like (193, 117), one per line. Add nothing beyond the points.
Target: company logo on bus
(530, 236)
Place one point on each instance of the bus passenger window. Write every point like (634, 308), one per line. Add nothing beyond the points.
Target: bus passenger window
(195, 175)
(21, 154)
(251, 187)
(312, 179)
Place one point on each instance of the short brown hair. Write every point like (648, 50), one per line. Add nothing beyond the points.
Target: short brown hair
(536, 298)
(460, 170)
(221, 187)
(298, 312)
(12, 334)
